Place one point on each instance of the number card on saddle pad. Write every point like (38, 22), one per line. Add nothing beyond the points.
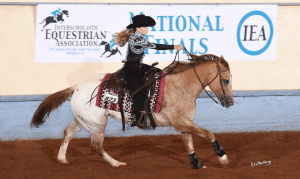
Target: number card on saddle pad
(108, 99)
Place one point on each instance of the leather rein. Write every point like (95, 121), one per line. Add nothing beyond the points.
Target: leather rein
(218, 73)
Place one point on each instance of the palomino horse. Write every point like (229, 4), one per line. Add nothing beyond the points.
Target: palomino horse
(182, 89)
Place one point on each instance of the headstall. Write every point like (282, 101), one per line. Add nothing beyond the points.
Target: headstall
(218, 72)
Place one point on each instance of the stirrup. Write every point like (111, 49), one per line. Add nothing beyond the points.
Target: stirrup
(138, 123)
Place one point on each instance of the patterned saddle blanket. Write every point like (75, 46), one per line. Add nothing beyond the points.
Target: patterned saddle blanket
(108, 99)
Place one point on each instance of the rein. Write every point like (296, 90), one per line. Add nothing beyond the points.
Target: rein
(161, 76)
(218, 72)
(90, 101)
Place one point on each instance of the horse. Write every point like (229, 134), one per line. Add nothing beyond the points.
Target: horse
(107, 49)
(182, 88)
(50, 19)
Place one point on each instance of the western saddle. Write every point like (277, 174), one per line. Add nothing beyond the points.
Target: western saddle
(114, 83)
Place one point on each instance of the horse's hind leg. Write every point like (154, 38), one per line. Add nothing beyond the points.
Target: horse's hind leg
(69, 133)
(44, 26)
(188, 142)
(97, 146)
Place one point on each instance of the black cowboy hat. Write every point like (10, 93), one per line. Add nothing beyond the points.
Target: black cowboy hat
(141, 21)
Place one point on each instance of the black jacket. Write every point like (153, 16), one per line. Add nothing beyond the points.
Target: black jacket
(136, 47)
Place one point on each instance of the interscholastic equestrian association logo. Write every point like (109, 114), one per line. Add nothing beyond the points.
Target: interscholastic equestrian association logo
(57, 16)
(255, 33)
(77, 39)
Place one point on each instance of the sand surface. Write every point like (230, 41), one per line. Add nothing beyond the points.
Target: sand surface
(156, 157)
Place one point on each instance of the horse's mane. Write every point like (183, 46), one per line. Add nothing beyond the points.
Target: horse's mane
(196, 60)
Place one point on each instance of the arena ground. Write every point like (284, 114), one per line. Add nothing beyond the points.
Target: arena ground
(156, 157)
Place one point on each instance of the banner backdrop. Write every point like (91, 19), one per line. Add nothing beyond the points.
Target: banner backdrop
(68, 33)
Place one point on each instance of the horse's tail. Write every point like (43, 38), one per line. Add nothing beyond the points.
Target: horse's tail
(43, 21)
(49, 104)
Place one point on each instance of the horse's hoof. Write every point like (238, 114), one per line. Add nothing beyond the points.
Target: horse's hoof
(200, 167)
(117, 164)
(63, 161)
(224, 160)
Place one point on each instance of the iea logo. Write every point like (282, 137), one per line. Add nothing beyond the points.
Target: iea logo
(255, 33)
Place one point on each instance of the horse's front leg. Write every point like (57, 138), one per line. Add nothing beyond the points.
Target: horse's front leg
(104, 53)
(188, 142)
(188, 126)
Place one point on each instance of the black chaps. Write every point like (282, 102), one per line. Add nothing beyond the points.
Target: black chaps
(132, 72)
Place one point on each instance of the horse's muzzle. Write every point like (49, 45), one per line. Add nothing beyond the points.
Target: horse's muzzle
(227, 102)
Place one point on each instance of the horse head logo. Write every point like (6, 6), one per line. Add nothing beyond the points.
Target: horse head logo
(57, 17)
(108, 48)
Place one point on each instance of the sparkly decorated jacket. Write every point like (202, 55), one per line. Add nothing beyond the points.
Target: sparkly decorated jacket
(136, 47)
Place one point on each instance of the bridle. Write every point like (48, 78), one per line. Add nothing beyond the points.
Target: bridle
(218, 73)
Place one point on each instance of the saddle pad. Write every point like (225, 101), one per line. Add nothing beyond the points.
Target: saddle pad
(156, 99)
(108, 99)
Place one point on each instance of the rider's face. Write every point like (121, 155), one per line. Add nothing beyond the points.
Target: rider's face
(143, 30)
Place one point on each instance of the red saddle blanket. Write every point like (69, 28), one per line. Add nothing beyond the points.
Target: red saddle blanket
(108, 99)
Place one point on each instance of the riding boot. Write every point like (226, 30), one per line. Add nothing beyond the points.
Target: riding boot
(139, 103)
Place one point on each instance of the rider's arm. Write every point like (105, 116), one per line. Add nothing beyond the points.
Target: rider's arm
(163, 47)
(167, 47)
(151, 45)
(142, 42)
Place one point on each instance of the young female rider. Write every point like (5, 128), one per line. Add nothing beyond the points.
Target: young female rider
(133, 68)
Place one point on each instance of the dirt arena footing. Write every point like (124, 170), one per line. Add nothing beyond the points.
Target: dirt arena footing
(156, 157)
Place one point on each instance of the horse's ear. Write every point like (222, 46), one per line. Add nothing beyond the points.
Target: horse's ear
(223, 61)
(222, 57)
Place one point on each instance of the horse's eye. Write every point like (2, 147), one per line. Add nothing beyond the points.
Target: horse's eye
(226, 82)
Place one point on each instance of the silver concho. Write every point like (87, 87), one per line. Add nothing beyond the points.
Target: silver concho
(137, 39)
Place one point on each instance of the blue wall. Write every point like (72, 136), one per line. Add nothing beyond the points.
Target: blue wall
(252, 112)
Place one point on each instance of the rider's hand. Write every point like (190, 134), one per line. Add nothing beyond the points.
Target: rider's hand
(178, 47)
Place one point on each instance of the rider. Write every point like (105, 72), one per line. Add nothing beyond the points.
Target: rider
(133, 68)
(54, 13)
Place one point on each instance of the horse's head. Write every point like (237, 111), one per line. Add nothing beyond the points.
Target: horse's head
(221, 82)
(214, 71)
(66, 12)
(103, 43)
